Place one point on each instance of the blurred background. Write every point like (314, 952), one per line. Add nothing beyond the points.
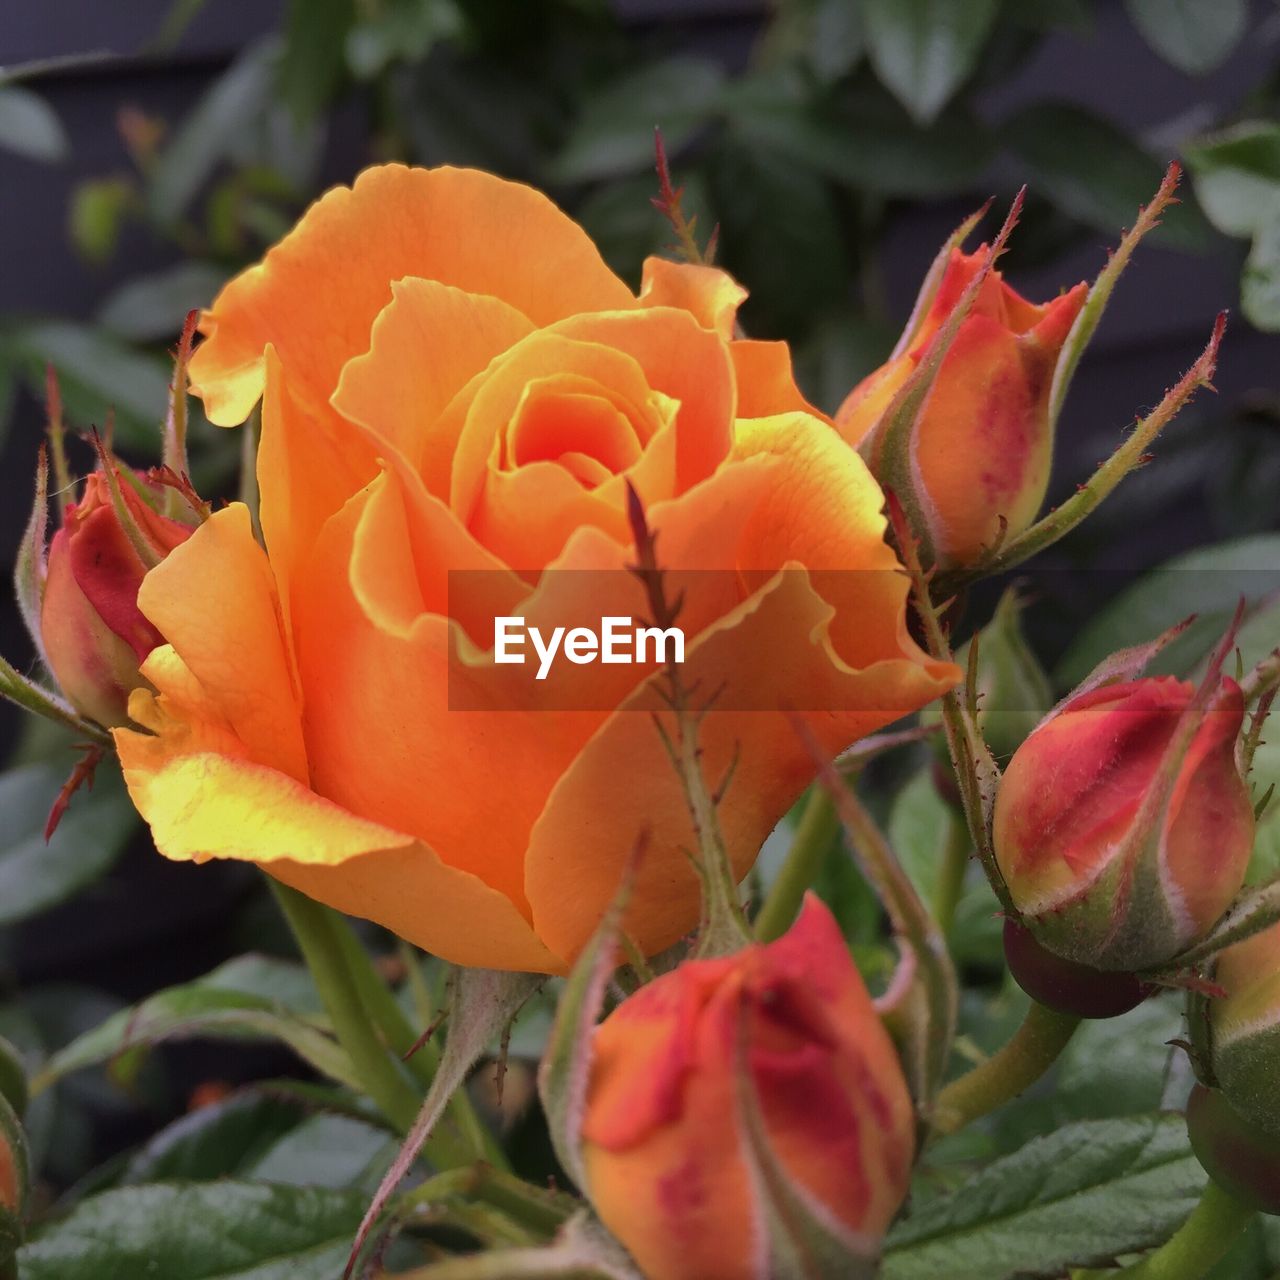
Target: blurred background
(150, 149)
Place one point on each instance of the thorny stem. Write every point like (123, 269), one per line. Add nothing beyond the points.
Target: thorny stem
(1263, 678)
(724, 924)
(1033, 1049)
(1100, 291)
(975, 768)
(668, 203)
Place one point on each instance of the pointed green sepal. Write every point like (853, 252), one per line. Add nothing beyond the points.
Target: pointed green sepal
(484, 1003)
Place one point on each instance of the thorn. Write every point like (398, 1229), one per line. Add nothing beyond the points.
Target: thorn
(81, 775)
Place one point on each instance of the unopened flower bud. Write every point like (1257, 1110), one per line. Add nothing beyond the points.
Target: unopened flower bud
(669, 1145)
(1239, 1032)
(982, 444)
(93, 632)
(1122, 825)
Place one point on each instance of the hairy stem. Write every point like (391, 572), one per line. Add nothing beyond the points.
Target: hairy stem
(381, 1075)
(1034, 1048)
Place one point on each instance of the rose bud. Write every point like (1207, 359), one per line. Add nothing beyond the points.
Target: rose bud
(94, 636)
(982, 444)
(669, 1144)
(1242, 1029)
(1122, 825)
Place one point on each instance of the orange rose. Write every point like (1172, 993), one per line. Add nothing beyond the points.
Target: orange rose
(455, 391)
(982, 446)
(665, 1137)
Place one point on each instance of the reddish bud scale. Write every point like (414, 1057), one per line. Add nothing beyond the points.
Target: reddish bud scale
(664, 1136)
(94, 634)
(1115, 855)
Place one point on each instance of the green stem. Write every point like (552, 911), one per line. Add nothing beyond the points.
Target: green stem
(322, 948)
(399, 1036)
(1033, 1049)
(812, 842)
(1196, 1247)
(955, 862)
(541, 1210)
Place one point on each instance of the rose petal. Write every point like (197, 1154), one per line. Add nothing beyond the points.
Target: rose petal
(219, 584)
(316, 293)
(710, 295)
(427, 344)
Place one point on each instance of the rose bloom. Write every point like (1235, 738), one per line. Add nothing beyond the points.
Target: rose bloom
(666, 1140)
(452, 380)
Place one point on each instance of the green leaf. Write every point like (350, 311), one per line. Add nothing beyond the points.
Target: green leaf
(826, 35)
(314, 59)
(1208, 581)
(97, 372)
(212, 1007)
(1095, 172)
(152, 308)
(1080, 1196)
(1260, 283)
(225, 1140)
(781, 235)
(205, 136)
(866, 142)
(923, 50)
(200, 1231)
(29, 126)
(35, 876)
(1193, 35)
(328, 1151)
(1237, 175)
(398, 31)
(614, 130)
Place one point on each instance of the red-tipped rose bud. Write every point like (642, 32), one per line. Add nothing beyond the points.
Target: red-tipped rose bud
(1122, 825)
(93, 632)
(773, 1056)
(982, 444)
